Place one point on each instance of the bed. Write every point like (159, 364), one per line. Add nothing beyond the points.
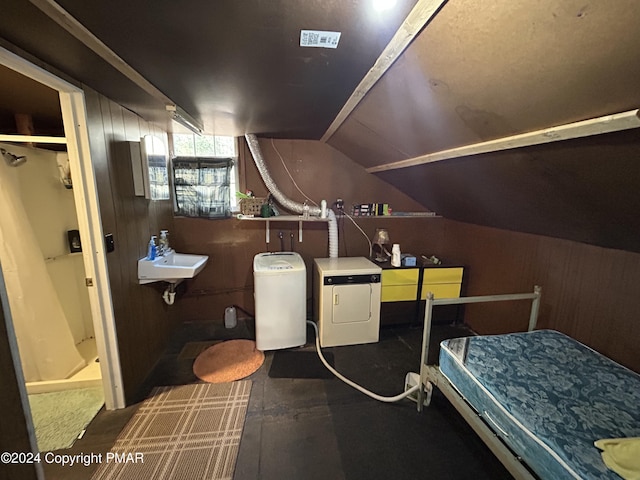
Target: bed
(539, 399)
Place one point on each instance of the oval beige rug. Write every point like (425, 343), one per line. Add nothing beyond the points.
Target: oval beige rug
(228, 361)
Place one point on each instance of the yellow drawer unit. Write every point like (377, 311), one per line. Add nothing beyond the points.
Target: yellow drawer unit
(442, 290)
(443, 282)
(404, 289)
(399, 285)
(442, 275)
(404, 276)
(398, 293)
(402, 285)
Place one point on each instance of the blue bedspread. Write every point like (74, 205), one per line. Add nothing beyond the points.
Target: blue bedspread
(550, 395)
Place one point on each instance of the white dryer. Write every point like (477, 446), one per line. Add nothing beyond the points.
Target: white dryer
(347, 300)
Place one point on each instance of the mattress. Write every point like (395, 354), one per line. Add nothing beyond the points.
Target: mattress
(548, 396)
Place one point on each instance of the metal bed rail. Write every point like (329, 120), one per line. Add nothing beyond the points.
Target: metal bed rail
(431, 376)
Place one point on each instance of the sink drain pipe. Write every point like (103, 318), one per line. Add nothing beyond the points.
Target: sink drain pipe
(289, 204)
(353, 384)
(169, 295)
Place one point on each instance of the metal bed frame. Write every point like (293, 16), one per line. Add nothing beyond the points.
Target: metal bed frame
(431, 376)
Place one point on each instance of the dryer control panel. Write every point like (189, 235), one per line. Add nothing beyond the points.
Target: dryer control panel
(346, 279)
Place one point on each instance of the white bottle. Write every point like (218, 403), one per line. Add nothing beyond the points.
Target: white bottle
(395, 255)
(163, 243)
(230, 319)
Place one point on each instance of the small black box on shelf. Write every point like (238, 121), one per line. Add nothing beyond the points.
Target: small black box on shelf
(74, 241)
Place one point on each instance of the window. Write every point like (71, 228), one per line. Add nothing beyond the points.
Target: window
(158, 177)
(202, 186)
(204, 175)
(190, 145)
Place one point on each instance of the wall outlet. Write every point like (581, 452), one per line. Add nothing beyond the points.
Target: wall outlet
(108, 242)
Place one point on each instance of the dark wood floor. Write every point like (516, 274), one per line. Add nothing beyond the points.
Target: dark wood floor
(320, 428)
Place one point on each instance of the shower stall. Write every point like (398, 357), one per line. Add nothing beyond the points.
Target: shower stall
(45, 282)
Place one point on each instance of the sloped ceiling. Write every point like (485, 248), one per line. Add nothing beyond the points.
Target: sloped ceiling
(584, 190)
(486, 70)
(478, 71)
(236, 66)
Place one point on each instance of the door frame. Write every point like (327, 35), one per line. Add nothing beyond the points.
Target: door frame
(74, 117)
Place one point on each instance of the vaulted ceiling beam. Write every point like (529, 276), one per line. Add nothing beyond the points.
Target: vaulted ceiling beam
(585, 128)
(65, 20)
(32, 139)
(422, 12)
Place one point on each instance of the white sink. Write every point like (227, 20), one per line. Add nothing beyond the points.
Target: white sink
(172, 267)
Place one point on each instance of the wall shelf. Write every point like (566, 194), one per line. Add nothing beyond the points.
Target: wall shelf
(62, 257)
(401, 215)
(300, 219)
(32, 139)
(283, 218)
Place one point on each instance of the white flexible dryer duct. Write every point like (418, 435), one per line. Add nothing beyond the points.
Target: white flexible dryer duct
(369, 393)
(287, 203)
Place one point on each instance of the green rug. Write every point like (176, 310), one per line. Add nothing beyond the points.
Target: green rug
(59, 417)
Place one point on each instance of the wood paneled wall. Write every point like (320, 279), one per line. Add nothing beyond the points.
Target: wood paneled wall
(590, 293)
(231, 245)
(142, 319)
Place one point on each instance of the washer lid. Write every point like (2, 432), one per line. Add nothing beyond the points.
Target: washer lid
(278, 262)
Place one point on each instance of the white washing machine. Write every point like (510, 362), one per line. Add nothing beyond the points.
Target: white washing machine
(280, 294)
(347, 300)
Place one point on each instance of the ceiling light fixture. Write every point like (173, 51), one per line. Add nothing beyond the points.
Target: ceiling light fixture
(383, 5)
(184, 119)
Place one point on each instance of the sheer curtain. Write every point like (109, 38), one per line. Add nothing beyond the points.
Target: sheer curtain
(47, 349)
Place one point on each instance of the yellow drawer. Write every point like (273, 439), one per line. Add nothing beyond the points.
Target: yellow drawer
(442, 290)
(442, 275)
(398, 293)
(403, 276)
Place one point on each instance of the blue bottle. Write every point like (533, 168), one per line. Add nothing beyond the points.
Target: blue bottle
(152, 251)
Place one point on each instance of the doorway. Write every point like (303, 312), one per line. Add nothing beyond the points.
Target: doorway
(92, 257)
(44, 271)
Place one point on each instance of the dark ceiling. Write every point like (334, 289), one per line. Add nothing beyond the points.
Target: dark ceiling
(236, 66)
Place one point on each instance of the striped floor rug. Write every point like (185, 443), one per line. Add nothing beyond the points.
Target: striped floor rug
(181, 432)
